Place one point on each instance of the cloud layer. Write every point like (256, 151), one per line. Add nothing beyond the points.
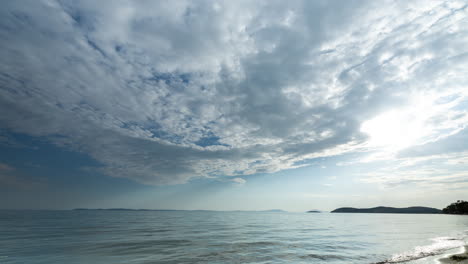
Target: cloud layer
(162, 92)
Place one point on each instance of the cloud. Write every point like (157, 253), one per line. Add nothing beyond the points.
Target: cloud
(239, 181)
(457, 142)
(436, 172)
(163, 92)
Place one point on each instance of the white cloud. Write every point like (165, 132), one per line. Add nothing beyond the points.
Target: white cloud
(162, 92)
(239, 181)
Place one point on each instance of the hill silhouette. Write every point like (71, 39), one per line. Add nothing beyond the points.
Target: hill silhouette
(389, 210)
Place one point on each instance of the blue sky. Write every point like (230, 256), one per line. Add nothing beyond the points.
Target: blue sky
(232, 105)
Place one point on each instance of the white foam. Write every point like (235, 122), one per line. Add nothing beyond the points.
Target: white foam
(439, 245)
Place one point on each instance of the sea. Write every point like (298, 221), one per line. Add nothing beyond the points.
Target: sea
(144, 237)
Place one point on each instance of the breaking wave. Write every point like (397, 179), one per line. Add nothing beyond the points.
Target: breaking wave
(439, 246)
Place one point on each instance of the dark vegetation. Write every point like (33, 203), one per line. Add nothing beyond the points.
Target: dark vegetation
(460, 207)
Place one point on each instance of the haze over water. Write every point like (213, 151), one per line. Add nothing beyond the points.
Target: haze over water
(105, 237)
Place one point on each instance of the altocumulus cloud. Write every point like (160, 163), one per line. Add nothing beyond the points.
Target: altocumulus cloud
(164, 91)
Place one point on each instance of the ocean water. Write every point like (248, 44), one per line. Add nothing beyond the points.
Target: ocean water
(226, 237)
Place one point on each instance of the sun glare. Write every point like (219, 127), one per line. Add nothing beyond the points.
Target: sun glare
(395, 129)
(392, 129)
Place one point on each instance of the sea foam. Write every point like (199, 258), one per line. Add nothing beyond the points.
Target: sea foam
(439, 246)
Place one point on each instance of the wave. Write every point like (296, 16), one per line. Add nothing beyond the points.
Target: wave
(439, 246)
(460, 257)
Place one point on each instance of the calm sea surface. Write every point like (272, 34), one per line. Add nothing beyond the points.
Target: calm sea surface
(226, 237)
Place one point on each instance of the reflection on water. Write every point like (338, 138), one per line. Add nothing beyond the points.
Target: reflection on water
(223, 237)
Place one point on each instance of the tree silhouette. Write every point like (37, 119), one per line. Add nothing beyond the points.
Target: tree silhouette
(460, 207)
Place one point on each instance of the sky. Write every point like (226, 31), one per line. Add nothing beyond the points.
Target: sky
(233, 105)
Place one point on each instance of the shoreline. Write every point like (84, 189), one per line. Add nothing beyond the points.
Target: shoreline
(459, 258)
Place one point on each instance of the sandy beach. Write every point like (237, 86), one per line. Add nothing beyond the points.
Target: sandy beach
(461, 258)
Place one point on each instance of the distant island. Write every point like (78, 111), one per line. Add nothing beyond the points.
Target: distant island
(169, 210)
(459, 207)
(390, 210)
(273, 211)
(125, 209)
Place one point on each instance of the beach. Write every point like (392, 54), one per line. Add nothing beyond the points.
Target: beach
(461, 258)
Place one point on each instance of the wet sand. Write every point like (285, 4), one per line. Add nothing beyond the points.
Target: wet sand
(461, 258)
